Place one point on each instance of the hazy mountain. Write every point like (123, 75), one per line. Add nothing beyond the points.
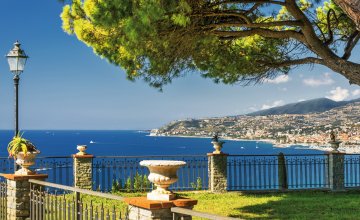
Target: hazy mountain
(304, 107)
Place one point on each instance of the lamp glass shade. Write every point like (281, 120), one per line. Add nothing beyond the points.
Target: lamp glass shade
(17, 59)
(16, 64)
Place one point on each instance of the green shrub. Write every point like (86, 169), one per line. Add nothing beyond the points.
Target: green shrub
(197, 185)
(138, 183)
(128, 185)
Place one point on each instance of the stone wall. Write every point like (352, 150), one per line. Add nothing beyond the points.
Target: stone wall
(336, 171)
(83, 171)
(217, 167)
(18, 199)
(18, 195)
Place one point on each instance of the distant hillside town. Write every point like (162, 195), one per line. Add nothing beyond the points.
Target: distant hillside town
(311, 128)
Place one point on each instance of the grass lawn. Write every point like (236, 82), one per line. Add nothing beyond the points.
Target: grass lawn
(292, 205)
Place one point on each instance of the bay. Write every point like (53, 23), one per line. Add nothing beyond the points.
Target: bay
(137, 143)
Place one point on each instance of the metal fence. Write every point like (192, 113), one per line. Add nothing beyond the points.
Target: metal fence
(252, 172)
(274, 172)
(59, 169)
(123, 173)
(119, 173)
(245, 172)
(352, 170)
(307, 172)
(55, 202)
(6, 165)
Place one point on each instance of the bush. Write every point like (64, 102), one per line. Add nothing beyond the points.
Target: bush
(197, 185)
(137, 183)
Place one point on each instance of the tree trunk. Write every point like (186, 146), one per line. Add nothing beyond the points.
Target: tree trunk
(352, 9)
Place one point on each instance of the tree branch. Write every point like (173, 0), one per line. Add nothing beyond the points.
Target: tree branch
(313, 42)
(328, 20)
(245, 2)
(257, 25)
(307, 60)
(353, 40)
(253, 8)
(223, 14)
(262, 32)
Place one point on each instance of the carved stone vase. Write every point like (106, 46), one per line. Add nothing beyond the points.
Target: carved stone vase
(81, 149)
(25, 161)
(218, 145)
(162, 174)
(335, 145)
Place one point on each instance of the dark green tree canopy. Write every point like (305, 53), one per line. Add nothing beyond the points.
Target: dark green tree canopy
(227, 40)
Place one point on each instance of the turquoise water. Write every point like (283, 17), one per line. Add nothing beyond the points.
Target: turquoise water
(133, 143)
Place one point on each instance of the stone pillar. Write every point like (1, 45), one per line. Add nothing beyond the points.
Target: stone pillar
(83, 171)
(217, 168)
(336, 171)
(18, 195)
(140, 208)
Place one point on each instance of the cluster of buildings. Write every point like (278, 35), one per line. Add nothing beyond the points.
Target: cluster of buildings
(311, 128)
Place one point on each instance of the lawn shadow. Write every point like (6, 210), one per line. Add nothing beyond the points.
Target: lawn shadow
(303, 205)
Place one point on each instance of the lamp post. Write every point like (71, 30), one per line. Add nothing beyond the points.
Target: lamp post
(17, 60)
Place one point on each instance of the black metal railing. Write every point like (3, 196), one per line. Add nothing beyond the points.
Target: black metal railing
(123, 173)
(59, 169)
(55, 201)
(274, 172)
(252, 172)
(307, 172)
(6, 165)
(245, 172)
(352, 170)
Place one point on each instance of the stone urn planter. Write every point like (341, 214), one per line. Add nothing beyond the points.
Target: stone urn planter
(24, 153)
(218, 145)
(25, 161)
(335, 145)
(81, 149)
(162, 174)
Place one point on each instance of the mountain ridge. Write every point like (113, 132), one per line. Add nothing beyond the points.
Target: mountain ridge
(304, 107)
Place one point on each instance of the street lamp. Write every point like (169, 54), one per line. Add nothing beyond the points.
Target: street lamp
(17, 60)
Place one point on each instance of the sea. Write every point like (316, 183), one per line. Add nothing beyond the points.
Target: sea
(138, 143)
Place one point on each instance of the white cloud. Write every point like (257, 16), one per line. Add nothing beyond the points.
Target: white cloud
(272, 105)
(301, 100)
(338, 94)
(278, 79)
(325, 80)
(253, 108)
(356, 92)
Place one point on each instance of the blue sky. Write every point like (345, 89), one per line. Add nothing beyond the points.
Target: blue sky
(66, 86)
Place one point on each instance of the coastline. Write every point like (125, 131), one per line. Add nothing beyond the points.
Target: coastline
(350, 150)
(225, 138)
